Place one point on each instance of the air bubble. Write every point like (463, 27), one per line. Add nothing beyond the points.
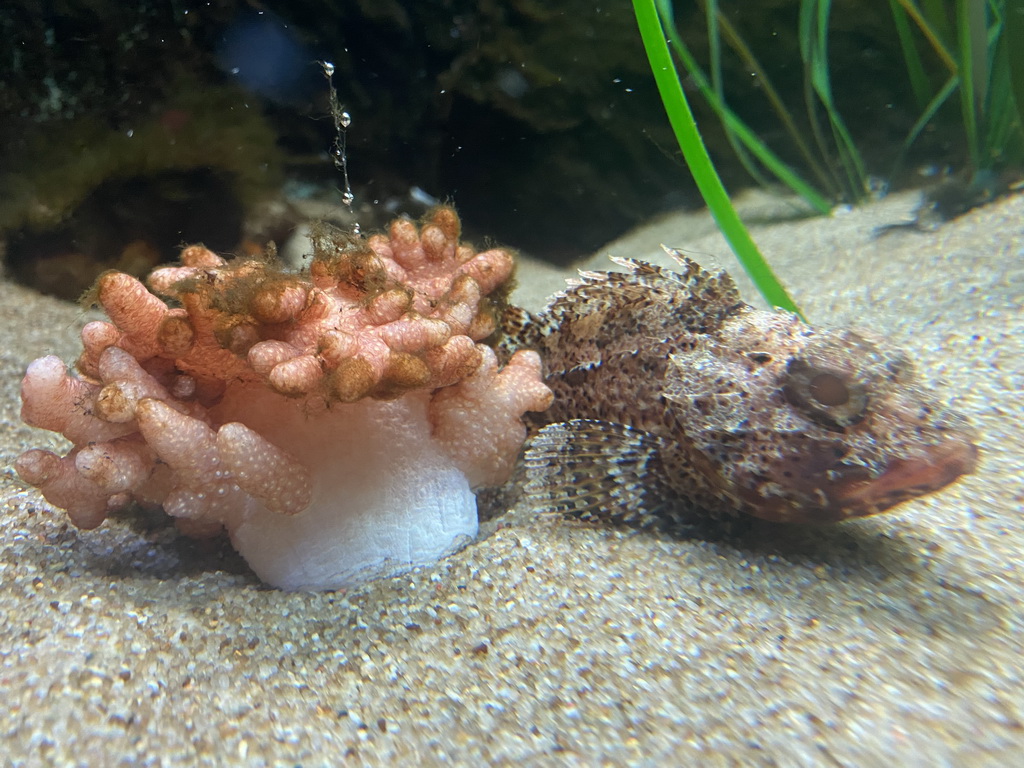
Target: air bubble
(342, 120)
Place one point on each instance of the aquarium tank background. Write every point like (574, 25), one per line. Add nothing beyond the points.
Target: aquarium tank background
(542, 125)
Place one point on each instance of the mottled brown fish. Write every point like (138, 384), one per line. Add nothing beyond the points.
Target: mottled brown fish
(677, 402)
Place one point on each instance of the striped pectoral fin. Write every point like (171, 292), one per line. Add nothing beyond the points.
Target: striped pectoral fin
(597, 471)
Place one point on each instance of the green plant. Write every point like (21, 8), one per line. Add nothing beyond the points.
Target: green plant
(965, 40)
(980, 65)
(970, 44)
(845, 180)
(696, 156)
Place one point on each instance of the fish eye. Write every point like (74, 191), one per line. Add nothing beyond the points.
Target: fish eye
(828, 390)
(827, 397)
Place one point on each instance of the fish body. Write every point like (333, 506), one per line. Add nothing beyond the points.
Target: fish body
(675, 402)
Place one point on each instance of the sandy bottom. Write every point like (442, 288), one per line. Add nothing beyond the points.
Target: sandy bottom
(892, 641)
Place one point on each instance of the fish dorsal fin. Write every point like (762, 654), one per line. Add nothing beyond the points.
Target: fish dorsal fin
(596, 470)
(692, 290)
(604, 313)
(692, 299)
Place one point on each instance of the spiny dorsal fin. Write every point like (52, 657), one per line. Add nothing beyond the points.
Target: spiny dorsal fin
(646, 300)
(596, 471)
(714, 289)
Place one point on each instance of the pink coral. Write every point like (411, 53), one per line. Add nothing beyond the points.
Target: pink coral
(334, 422)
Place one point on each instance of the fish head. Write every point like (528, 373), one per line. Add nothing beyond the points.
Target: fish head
(815, 425)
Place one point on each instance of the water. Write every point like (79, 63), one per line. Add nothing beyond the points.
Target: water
(546, 641)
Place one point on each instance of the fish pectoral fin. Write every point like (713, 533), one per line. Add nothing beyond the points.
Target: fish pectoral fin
(597, 471)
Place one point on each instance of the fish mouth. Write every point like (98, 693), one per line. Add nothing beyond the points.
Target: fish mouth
(905, 478)
(852, 491)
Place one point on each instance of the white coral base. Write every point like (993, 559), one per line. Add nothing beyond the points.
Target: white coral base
(386, 497)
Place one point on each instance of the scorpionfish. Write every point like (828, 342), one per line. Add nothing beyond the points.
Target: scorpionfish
(676, 402)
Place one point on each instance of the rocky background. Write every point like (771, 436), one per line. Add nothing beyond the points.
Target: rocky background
(126, 130)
